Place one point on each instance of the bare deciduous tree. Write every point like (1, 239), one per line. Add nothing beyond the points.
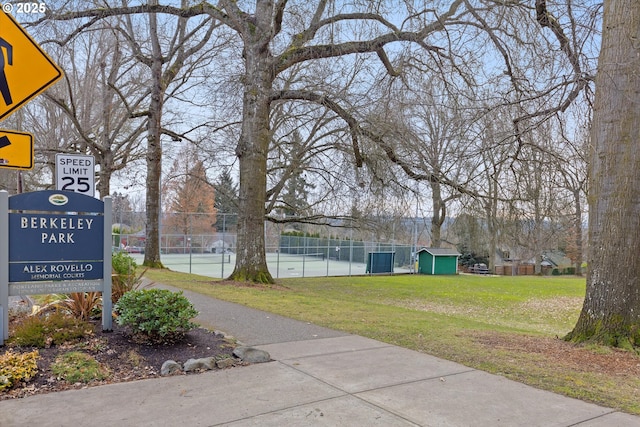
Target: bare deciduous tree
(165, 58)
(100, 87)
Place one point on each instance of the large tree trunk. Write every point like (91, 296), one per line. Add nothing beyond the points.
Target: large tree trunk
(104, 175)
(439, 214)
(491, 211)
(611, 311)
(538, 232)
(153, 210)
(578, 231)
(252, 150)
(154, 153)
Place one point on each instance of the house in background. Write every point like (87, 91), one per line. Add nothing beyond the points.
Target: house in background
(551, 260)
(557, 260)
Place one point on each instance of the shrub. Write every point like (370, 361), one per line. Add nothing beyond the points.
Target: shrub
(78, 367)
(124, 278)
(51, 329)
(155, 316)
(82, 305)
(123, 263)
(16, 367)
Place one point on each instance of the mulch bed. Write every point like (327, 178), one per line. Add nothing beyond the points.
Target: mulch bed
(124, 359)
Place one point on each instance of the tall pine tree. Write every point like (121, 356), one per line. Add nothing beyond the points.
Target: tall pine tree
(226, 202)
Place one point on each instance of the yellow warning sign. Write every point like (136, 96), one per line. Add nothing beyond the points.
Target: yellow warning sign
(25, 69)
(16, 149)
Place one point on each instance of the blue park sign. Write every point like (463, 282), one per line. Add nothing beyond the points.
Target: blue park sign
(55, 246)
(54, 242)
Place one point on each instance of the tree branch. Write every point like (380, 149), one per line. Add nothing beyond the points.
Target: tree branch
(297, 53)
(357, 130)
(323, 100)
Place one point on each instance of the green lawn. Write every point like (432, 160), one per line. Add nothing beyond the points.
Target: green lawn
(485, 322)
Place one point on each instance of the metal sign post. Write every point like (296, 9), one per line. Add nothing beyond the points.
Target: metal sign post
(4, 263)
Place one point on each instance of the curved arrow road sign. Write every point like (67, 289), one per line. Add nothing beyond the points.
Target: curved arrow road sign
(16, 150)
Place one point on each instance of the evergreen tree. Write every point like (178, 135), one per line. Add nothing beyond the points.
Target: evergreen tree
(226, 202)
(296, 195)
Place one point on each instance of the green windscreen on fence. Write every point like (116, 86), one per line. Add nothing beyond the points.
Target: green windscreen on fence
(380, 262)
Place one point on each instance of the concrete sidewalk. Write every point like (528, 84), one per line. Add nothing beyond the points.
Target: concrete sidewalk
(319, 377)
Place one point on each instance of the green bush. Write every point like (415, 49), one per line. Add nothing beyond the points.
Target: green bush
(50, 329)
(124, 278)
(123, 263)
(155, 316)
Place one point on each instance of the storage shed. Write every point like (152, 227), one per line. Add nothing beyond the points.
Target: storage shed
(438, 261)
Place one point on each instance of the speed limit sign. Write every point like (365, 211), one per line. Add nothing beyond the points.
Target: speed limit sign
(75, 172)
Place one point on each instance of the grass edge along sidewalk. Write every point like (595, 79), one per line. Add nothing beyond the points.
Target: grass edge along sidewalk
(510, 326)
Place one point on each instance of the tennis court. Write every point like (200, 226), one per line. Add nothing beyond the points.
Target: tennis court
(280, 265)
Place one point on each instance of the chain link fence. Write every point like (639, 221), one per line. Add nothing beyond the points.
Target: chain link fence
(288, 253)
